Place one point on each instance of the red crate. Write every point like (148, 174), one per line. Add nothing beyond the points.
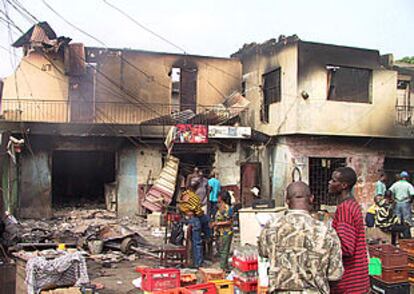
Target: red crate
(208, 274)
(245, 286)
(407, 245)
(206, 288)
(245, 266)
(390, 255)
(394, 275)
(172, 291)
(160, 279)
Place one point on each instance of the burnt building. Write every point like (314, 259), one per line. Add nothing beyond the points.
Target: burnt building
(326, 106)
(92, 122)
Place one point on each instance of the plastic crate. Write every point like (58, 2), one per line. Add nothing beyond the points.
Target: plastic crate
(407, 245)
(209, 274)
(245, 286)
(390, 255)
(245, 266)
(375, 267)
(262, 290)
(171, 291)
(394, 275)
(160, 279)
(206, 288)
(188, 279)
(378, 286)
(224, 286)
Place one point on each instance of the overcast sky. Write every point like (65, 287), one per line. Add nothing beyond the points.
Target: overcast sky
(220, 27)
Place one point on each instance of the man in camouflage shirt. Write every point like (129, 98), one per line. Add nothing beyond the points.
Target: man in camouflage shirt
(304, 253)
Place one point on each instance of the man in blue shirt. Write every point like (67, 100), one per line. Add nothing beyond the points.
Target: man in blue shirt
(214, 188)
(403, 193)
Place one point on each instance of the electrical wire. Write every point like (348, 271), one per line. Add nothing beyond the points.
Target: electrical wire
(111, 81)
(143, 27)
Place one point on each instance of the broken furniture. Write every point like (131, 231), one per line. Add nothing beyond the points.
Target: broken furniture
(172, 255)
(49, 269)
(162, 192)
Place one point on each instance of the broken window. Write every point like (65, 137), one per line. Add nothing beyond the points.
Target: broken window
(243, 86)
(271, 92)
(320, 172)
(184, 87)
(403, 103)
(175, 88)
(403, 93)
(348, 84)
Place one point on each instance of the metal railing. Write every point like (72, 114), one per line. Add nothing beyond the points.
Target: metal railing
(105, 112)
(404, 115)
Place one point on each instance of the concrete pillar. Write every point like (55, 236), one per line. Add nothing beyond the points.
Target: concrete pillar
(127, 182)
(35, 186)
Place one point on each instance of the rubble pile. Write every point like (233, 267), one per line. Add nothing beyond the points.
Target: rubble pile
(85, 229)
(68, 226)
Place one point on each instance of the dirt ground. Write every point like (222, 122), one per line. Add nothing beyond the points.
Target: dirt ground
(117, 279)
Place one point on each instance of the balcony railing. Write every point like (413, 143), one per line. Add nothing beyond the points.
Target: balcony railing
(404, 115)
(32, 110)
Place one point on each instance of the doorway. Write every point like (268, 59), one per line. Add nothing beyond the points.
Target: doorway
(394, 166)
(250, 177)
(78, 177)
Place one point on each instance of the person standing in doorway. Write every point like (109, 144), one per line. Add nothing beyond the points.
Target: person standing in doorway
(403, 192)
(202, 189)
(214, 188)
(349, 225)
(194, 174)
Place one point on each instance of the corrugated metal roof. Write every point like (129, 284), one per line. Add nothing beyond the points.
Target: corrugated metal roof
(209, 115)
(41, 33)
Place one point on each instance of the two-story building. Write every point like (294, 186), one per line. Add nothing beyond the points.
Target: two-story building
(95, 119)
(326, 106)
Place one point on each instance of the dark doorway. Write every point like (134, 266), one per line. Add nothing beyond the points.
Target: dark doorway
(78, 177)
(320, 172)
(250, 177)
(394, 166)
(184, 85)
(190, 158)
(188, 89)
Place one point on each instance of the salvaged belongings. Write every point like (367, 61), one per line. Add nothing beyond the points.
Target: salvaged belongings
(67, 270)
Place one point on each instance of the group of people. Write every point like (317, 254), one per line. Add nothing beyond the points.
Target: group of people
(306, 255)
(309, 256)
(391, 211)
(209, 211)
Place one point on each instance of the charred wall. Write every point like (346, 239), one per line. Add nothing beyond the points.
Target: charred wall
(141, 77)
(365, 155)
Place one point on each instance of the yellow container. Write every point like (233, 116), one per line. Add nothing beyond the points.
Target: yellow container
(224, 286)
(61, 246)
(262, 290)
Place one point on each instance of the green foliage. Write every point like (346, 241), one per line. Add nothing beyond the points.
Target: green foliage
(407, 59)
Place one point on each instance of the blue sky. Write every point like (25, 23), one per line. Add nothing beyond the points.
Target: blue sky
(220, 27)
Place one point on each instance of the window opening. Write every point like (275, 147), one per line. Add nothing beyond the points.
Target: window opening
(348, 84)
(320, 172)
(271, 92)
